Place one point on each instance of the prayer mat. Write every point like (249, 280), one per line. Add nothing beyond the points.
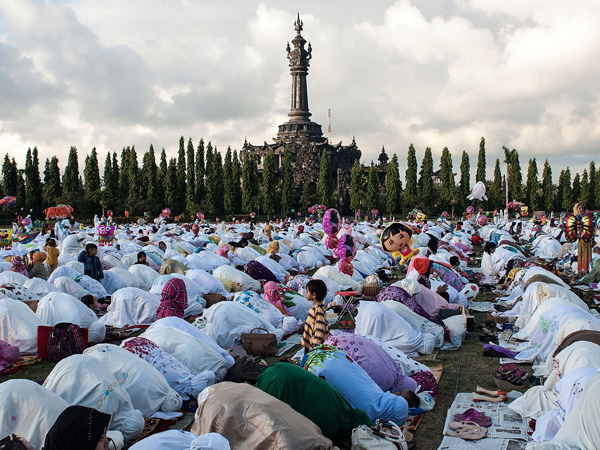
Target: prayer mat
(14, 368)
(153, 426)
(412, 422)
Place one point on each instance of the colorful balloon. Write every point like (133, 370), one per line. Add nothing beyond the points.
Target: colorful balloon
(478, 192)
(445, 214)
(482, 220)
(470, 210)
(166, 212)
(200, 216)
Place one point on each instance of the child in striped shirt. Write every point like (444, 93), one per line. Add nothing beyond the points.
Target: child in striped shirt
(316, 328)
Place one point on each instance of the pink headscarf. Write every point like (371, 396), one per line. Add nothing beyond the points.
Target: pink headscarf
(272, 295)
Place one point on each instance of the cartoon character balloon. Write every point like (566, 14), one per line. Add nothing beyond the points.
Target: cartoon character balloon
(478, 192)
(346, 250)
(106, 235)
(470, 210)
(420, 216)
(397, 240)
(482, 220)
(200, 216)
(6, 238)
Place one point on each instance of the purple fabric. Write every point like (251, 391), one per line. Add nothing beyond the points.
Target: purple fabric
(259, 272)
(496, 348)
(427, 382)
(9, 354)
(399, 295)
(380, 366)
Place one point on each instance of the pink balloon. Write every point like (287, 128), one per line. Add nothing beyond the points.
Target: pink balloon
(445, 214)
(482, 220)
(470, 210)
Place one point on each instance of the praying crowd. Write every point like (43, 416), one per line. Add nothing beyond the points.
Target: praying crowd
(151, 322)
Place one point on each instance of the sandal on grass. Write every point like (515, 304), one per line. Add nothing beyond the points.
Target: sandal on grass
(487, 398)
(473, 415)
(507, 383)
(496, 393)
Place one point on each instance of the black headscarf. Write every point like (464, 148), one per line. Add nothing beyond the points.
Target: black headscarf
(77, 428)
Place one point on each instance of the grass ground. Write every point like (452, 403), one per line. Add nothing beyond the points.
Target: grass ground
(463, 370)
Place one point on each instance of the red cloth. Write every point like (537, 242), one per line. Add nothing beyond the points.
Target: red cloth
(421, 265)
(476, 240)
(174, 299)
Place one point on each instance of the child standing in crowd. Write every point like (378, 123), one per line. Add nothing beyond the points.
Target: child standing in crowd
(91, 263)
(316, 328)
(52, 253)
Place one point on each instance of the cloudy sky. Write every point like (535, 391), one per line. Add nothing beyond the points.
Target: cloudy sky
(523, 74)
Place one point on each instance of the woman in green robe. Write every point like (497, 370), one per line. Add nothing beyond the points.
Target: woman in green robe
(314, 398)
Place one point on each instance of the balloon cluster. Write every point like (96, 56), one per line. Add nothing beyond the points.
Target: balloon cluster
(317, 209)
(515, 205)
(374, 212)
(346, 250)
(331, 226)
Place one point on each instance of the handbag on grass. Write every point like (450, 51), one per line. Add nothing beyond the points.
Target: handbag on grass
(260, 344)
(385, 435)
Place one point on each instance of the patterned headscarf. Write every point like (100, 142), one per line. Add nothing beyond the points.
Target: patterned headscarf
(18, 266)
(174, 299)
(273, 295)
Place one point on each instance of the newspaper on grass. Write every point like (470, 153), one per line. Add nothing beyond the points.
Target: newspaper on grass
(508, 429)
(481, 306)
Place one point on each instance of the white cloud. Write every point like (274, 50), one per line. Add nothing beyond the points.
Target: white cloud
(522, 74)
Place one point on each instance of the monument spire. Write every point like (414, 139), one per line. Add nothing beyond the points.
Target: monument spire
(299, 59)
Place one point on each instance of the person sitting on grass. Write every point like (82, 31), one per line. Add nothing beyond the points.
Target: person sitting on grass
(92, 266)
(316, 328)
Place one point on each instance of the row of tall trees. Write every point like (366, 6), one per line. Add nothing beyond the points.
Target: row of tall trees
(434, 191)
(201, 179)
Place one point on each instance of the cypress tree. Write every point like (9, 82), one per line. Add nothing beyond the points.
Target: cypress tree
(29, 193)
(393, 187)
(269, 184)
(70, 181)
(515, 178)
(228, 183)
(9, 176)
(91, 174)
(410, 178)
(250, 192)
(237, 182)
(217, 188)
(448, 187)
(36, 182)
(21, 196)
(190, 196)
(52, 188)
(135, 194)
(107, 183)
(547, 188)
(200, 172)
(324, 185)
(357, 187)
(595, 189)
(288, 191)
(465, 179)
(585, 188)
(210, 175)
(305, 199)
(116, 179)
(565, 191)
(495, 194)
(171, 185)
(123, 178)
(576, 188)
(481, 167)
(180, 201)
(373, 198)
(426, 179)
(161, 181)
(150, 179)
(532, 186)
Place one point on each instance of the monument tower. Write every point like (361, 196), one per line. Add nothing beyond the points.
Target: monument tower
(303, 137)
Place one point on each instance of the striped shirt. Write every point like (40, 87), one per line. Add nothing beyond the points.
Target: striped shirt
(316, 328)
